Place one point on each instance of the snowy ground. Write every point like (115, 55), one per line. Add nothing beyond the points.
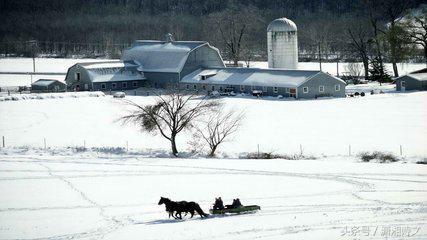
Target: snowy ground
(115, 197)
(59, 65)
(324, 126)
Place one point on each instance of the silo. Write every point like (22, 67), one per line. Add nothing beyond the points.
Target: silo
(282, 44)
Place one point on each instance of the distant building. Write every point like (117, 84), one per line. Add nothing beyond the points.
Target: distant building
(48, 85)
(270, 82)
(282, 44)
(166, 62)
(415, 81)
(196, 66)
(104, 76)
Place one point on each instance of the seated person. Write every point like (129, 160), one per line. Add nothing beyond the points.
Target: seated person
(219, 205)
(236, 204)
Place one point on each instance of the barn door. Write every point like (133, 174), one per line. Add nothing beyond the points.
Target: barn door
(402, 86)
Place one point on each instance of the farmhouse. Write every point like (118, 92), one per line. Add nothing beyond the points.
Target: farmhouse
(413, 81)
(48, 85)
(103, 76)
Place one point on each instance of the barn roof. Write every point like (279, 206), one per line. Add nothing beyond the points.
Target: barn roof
(108, 64)
(114, 75)
(418, 76)
(45, 82)
(161, 56)
(251, 77)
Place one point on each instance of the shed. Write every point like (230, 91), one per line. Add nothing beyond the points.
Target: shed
(272, 82)
(105, 76)
(48, 85)
(416, 81)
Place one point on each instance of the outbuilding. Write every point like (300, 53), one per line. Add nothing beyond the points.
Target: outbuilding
(415, 81)
(104, 76)
(272, 82)
(48, 85)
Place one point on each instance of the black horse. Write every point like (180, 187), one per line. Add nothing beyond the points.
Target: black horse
(179, 207)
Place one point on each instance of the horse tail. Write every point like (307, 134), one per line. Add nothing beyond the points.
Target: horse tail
(200, 211)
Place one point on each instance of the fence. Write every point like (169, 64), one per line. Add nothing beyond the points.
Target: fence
(126, 146)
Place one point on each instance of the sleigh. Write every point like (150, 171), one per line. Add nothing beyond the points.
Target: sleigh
(238, 210)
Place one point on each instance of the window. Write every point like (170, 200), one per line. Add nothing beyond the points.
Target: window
(103, 86)
(124, 85)
(77, 76)
(305, 89)
(288, 90)
(252, 88)
(321, 88)
(264, 89)
(113, 85)
(242, 88)
(187, 87)
(204, 87)
(276, 89)
(195, 87)
(220, 88)
(402, 83)
(337, 87)
(213, 88)
(135, 84)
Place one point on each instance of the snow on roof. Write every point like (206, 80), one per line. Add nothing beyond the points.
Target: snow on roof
(251, 77)
(160, 56)
(44, 82)
(97, 75)
(108, 64)
(282, 25)
(419, 76)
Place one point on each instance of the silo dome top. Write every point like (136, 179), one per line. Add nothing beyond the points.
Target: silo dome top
(282, 25)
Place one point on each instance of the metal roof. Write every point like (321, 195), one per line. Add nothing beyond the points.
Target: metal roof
(108, 64)
(418, 76)
(161, 56)
(282, 25)
(251, 77)
(114, 75)
(45, 82)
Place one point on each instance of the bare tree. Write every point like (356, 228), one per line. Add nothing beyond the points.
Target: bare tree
(416, 26)
(169, 115)
(219, 127)
(353, 69)
(359, 38)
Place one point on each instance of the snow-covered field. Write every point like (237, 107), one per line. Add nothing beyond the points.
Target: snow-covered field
(59, 65)
(65, 193)
(324, 126)
(115, 197)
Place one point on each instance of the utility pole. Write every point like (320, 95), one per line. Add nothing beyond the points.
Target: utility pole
(320, 56)
(33, 44)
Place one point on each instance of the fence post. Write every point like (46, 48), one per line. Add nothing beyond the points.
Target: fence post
(258, 151)
(84, 144)
(401, 151)
(3, 141)
(300, 148)
(349, 150)
(44, 141)
(127, 146)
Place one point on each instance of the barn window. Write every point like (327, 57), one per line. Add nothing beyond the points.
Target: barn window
(195, 87)
(103, 86)
(305, 89)
(321, 88)
(337, 87)
(124, 85)
(288, 90)
(77, 76)
(135, 84)
(402, 83)
(204, 87)
(242, 88)
(220, 88)
(113, 85)
(213, 88)
(276, 89)
(264, 89)
(187, 87)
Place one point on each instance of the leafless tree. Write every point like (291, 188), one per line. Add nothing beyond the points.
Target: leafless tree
(353, 69)
(219, 127)
(169, 115)
(416, 25)
(359, 38)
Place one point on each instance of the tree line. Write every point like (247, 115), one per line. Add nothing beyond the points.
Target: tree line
(371, 31)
